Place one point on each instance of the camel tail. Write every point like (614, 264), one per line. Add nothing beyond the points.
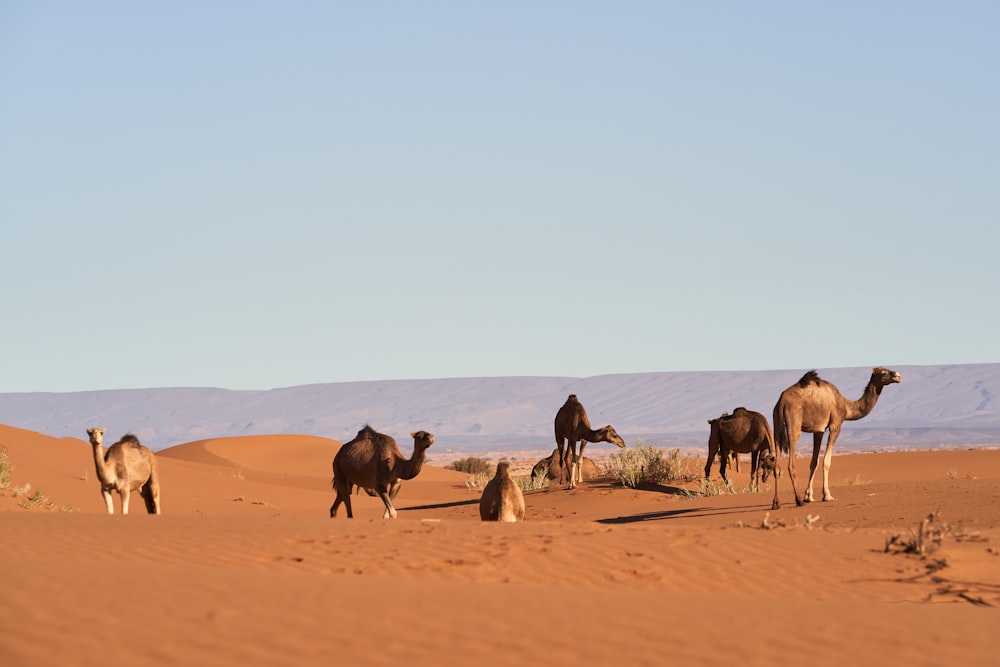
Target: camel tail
(781, 431)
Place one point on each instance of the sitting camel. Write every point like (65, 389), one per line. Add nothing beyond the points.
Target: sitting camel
(372, 460)
(124, 467)
(743, 431)
(549, 466)
(502, 499)
(572, 425)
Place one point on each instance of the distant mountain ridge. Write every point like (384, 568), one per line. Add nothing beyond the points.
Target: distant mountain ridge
(934, 406)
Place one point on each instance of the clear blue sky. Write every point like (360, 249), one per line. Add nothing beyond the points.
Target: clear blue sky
(264, 194)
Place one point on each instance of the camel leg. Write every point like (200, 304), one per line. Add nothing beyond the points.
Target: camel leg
(817, 443)
(335, 505)
(827, 459)
(712, 450)
(754, 471)
(147, 496)
(723, 464)
(777, 465)
(126, 492)
(792, 442)
(390, 511)
(579, 461)
(108, 500)
(153, 499)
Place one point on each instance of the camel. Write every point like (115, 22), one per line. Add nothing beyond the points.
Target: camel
(372, 460)
(124, 467)
(572, 425)
(743, 431)
(549, 466)
(813, 405)
(502, 499)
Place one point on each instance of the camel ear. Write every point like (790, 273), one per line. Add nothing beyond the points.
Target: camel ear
(413, 434)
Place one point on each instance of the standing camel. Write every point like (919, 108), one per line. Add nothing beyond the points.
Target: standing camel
(813, 405)
(744, 431)
(124, 467)
(372, 460)
(572, 425)
(502, 499)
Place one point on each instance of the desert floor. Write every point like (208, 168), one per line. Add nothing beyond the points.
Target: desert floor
(245, 567)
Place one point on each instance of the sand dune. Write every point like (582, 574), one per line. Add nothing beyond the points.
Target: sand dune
(245, 567)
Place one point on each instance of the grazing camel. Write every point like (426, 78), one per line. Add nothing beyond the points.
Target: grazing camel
(813, 405)
(372, 460)
(502, 499)
(572, 425)
(124, 467)
(744, 431)
(549, 466)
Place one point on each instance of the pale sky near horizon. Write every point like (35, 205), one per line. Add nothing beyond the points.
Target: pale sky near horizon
(264, 194)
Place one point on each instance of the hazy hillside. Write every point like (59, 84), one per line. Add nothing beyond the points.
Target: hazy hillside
(934, 406)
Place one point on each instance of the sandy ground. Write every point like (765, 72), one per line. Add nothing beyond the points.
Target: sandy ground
(245, 567)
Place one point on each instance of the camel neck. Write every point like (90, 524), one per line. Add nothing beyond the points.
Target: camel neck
(864, 405)
(99, 463)
(411, 468)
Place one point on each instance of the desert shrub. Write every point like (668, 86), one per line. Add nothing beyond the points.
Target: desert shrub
(5, 469)
(472, 465)
(857, 480)
(645, 463)
(477, 481)
(539, 480)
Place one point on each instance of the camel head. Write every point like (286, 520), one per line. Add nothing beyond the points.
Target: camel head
(883, 376)
(422, 440)
(608, 434)
(768, 467)
(96, 435)
(503, 469)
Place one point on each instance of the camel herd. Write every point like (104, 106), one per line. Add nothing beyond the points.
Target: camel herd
(373, 461)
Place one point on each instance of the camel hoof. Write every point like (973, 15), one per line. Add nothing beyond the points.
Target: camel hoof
(775, 505)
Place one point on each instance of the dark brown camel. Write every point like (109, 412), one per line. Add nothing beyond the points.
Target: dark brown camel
(746, 432)
(813, 405)
(372, 460)
(572, 425)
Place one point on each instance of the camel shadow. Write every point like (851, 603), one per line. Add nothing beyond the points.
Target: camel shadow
(692, 512)
(439, 506)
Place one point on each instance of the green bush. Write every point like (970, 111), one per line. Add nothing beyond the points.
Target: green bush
(539, 480)
(472, 465)
(646, 464)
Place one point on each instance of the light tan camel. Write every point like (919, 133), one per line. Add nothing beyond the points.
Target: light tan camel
(744, 431)
(572, 425)
(124, 467)
(812, 405)
(502, 499)
(372, 460)
(549, 466)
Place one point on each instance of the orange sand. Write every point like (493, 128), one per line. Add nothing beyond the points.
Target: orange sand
(246, 568)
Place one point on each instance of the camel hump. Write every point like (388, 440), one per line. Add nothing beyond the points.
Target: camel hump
(572, 399)
(130, 439)
(739, 409)
(812, 377)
